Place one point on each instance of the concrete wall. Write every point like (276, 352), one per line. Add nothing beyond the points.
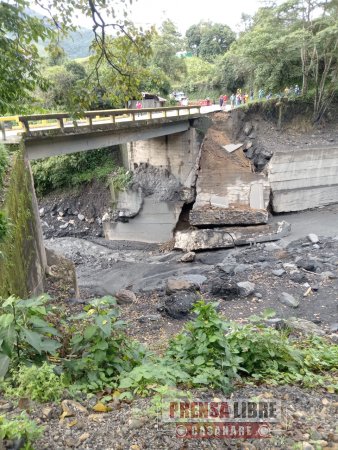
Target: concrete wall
(23, 258)
(303, 179)
(177, 152)
(154, 223)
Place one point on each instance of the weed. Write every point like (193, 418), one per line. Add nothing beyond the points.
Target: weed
(100, 350)
(25, 334)
(37, 383)
(21, 429)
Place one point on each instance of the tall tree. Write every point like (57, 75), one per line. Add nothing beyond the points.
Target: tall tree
(19, 33)
(166, 43)
(209, 40)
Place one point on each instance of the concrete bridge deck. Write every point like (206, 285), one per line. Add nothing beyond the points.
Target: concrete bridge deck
(55, 134)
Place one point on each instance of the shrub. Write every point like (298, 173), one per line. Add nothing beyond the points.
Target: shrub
(25, 333)
(20, 428)
(72, 170)
(39, 383)
(99, 349)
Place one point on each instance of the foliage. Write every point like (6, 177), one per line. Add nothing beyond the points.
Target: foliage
(72, 170)
(25, 333)
(62, 88)
(120, 179)
(99, 350)
(271, 356)
(39, 383)
(19, 63)
(20, 33)
(3, 163)
(214, 352)
(3, 226)
(199, 75)
(209, 40)
(295, 42)
(20, 427)
(132, 57)
(202, 350)
(165, 45)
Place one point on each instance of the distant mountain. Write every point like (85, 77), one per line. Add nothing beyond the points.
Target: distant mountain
(76, 44)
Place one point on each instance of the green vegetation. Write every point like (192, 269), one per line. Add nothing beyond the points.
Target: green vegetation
(99, 349)
(72, 170)
(25, 333)
(3, 163)
(39, 383)
(92, 352)
(20, 427)
(18, 249)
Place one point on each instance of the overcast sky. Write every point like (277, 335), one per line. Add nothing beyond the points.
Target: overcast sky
(185, 13)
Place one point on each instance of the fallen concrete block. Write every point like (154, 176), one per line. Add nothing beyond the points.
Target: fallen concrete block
(228, 216)
(232, 147)
(228, 237)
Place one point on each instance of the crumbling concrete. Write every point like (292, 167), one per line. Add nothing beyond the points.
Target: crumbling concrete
(229, 237)
(228, 216)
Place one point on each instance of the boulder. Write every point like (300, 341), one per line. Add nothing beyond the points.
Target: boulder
(227, 290)
(298, 277)
(288, 300)
(311, 265)
(179, 305)
(125, 297)
(278, 272)
(179, 284)
(304, 326)
(188, 257)
(246, 288)
(313, 238)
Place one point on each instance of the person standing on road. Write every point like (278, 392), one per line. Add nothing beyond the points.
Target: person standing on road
(139, 106)
(232, 100)
(221, 101)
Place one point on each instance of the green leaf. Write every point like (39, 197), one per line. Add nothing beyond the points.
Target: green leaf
(50, 346)
(89, 332)
(4, 364)
(104, 324)
(126, 383)
(43, 327)
(199, 360)
(33, 339)
(6, 320)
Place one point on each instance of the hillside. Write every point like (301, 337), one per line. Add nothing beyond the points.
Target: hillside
(76, 44)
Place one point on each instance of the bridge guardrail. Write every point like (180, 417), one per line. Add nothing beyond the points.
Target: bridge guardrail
(89, 118)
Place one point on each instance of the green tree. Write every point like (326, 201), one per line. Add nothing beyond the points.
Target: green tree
(209, 40)
(19, 62)
(165, 45)
(56, 54)
(295, 42)
(20, 68)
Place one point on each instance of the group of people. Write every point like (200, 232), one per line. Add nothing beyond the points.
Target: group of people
(240, 98)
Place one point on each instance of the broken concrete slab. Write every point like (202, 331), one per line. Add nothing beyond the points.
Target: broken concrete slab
(228, 237)
(232, 147)
(129, 202)
(154, 223)
(228, 216)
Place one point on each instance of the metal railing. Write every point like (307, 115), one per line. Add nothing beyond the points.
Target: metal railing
(90, 119)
